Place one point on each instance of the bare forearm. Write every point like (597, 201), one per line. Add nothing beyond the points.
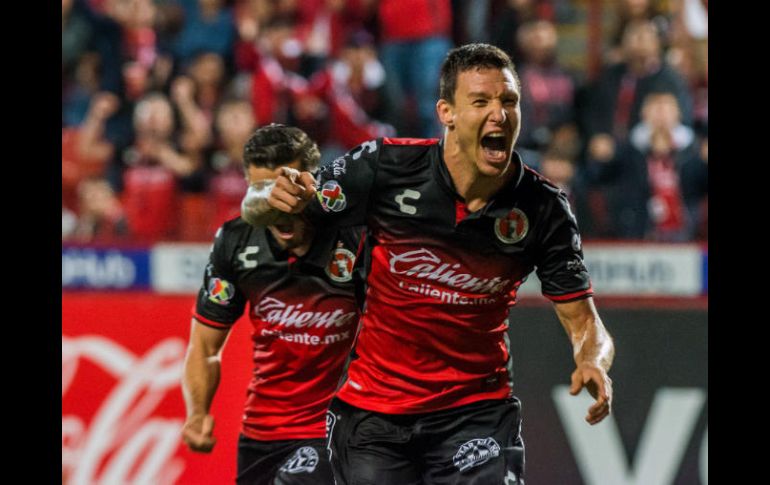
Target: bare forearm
(255, 209)
(200, 380)
(593, 345)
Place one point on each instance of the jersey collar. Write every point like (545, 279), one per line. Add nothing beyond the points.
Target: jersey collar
(320, 250)
(500, 203)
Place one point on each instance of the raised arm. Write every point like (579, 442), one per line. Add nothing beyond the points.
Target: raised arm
(265, 203)
(593, 350)
(199, 384)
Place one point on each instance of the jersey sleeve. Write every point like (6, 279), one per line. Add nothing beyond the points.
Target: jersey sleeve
(220, 303)
(344, 184)
(559, 265)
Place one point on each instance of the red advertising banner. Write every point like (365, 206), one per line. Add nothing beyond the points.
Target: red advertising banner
(122, 406)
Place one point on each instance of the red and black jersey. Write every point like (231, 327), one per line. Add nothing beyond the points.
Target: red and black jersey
(304, 315)
(440, 280)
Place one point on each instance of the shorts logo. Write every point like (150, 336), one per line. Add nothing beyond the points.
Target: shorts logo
(476, 452)
(340, 268)
(304, 460)
(220, 291)
(331, 420)
(512, 228)
(331, 197)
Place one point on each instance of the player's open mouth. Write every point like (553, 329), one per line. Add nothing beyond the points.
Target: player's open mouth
(495, 146)
(285, 231)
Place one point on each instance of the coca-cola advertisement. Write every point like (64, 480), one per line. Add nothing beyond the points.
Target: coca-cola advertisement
(122, 406)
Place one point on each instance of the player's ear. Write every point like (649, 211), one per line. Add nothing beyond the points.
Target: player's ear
(445, 113)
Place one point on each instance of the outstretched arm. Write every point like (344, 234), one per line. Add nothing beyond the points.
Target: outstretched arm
(593, 351)
(199, 384)
(265, 203)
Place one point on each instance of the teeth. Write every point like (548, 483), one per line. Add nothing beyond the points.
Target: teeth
(496, 135)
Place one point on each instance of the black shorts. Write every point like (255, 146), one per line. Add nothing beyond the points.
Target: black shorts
(285, 462)
(479, 443)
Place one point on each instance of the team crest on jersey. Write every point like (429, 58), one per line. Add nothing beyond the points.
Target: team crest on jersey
(476, 452)
(331, 197)
(340, 268)
(220, 291)
(513, 227)
(304, 460)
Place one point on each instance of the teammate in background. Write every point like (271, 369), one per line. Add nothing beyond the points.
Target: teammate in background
(297, 282)
(454, 227)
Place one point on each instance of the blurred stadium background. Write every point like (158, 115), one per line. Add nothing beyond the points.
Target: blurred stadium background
(158, 97)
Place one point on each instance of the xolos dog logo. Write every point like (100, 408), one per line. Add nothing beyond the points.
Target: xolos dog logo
(513, 227)
(340, 268)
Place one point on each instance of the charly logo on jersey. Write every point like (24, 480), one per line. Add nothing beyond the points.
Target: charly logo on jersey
(513, 227)
(407, 194)
(277, 312)
(220, 291)
(331, 197)
(476, 452)
(340, 267)
(304, 460)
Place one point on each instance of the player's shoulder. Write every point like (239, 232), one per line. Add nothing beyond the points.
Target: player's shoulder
(232, 231)
(539, 185)
(407, 153)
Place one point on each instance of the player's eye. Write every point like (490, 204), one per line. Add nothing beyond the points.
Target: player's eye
(479, 102)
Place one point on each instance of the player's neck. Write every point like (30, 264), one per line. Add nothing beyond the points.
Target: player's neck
(471, 184)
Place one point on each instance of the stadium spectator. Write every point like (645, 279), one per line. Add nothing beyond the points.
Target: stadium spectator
(156, 171)
(76, 33)
(86, 152)
(506, 16)
(208, 26)
(100, 217)
(78, 90)
(658, 179)
(629, 11)
(234, 124)
(323, 26)
(414, 38)
(548, 94)
(617, 96)
(209, 77)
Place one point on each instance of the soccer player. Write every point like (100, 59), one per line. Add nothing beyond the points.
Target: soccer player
(454, 226)
(296, 280)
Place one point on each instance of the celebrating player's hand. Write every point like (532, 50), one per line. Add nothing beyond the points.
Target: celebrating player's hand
(197, 433)
(599, 385)
(292, 192)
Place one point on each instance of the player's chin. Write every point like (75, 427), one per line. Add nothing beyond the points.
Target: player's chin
(493, 168)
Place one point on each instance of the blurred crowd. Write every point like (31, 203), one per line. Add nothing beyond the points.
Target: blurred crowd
(159, 97)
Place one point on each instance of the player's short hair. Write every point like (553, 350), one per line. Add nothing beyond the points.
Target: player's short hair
(467, 57)
(275, 145)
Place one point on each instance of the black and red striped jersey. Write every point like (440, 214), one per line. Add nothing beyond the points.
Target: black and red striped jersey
(304, 318)
(439, 280)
